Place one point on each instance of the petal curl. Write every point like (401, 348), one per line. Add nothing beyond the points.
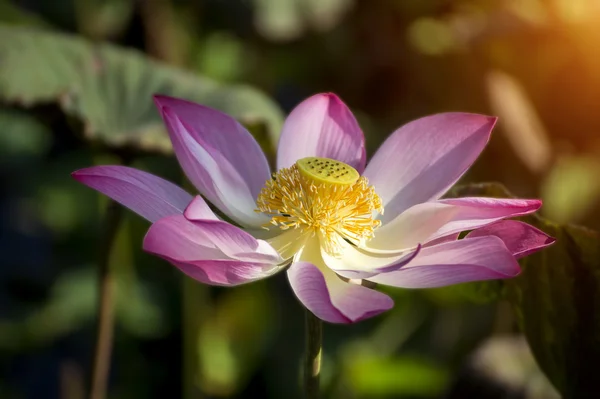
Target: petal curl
(421, 160)
(322, 126)
(520, 238)
(206, 255)
(359, 263)
(223, 272)
(147, 195)
(329, 297)
(198, 209)
(431, 221)
(472, 259)
(231, 240)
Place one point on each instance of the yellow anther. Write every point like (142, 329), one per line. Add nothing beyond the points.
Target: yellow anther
(337, 207)
(325, 170)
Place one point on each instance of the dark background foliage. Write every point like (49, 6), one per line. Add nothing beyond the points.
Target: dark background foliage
(76, 78)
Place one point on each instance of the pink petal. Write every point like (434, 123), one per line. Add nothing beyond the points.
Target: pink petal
(333, 300)
(442, 240)
(212, 173)
(434, 220)
(475, 212)
(520, 238)
(470, 259)
(415, 225)
(179, 239)
(194, 252)
(224, 135)
(147, 195)
(224, 272)
(198, 209)
(322, 126)
(235, 242)
(358, 263)
(421, 160)
(326, 295)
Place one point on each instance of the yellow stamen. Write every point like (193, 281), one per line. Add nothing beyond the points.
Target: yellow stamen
(324, 197)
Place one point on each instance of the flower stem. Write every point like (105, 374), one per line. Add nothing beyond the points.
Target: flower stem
(312, 360)
(105, 322)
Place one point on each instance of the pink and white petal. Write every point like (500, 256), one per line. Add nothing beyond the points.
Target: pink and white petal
(224, 135)
(431, 221)
(236, 243)
(442, 240)
(359, 263)
(332, 299)
(322, 126)
(233, 241)
(149, 196)
(198, 209)
(475, 212)
(474, 259)
(413, 226)
(329, 297)
(520, 238)
(224, 272)
(182, 243)
(212, 173)
(177, 238)
(421, 160)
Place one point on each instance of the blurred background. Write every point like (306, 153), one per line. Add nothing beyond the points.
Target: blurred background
(70, 100)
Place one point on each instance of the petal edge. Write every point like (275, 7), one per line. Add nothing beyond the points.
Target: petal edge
(146, 194)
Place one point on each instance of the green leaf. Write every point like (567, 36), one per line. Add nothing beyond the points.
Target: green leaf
(556, 299)
(109, 89)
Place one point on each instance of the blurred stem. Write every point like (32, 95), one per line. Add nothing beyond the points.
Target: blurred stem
(312, 358)
(195, 308)
(105, 323)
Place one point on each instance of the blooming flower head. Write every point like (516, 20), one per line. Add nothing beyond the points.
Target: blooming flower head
(323, 215)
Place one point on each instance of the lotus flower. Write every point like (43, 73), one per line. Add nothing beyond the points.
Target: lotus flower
(321, 214)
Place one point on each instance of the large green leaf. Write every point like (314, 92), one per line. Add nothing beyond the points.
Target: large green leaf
(109, 88)
(557, 301)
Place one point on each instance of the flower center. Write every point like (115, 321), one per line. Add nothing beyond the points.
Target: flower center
(325, 197)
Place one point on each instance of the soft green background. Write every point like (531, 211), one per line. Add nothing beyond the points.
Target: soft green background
(76, 79)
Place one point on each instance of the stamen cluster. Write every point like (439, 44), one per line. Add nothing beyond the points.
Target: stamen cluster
(333, 211)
